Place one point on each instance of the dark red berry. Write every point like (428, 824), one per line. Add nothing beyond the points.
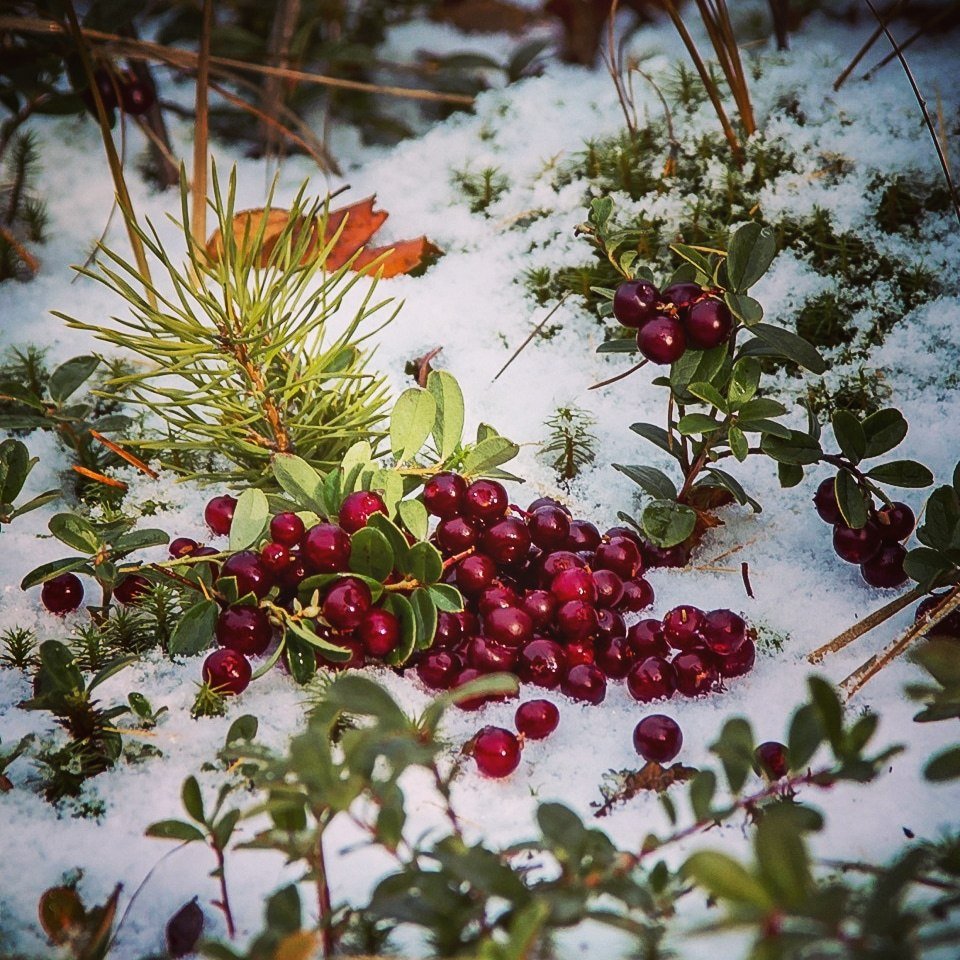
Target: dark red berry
(574, 584)
(662, 340)
(357, 655)
(580, 651)
(637, 595)
(609, 588)
(708, 324)
(275, 557)
(496, 752)
(621, 556)
(772, 759)
(682, 294)
(182, 547)
(294, 573)
(696, 674)
(676, 556)
(583, 535)
(244, 629)
(137, 95)
(885, 567)
(474, 574)
(549, 527)
(469, 623)
(457, 534)
(358, 507)
(681, 626)
(895, 522)
(577, 620)
(542, 662)
(497, 596)
(219, 513)
(540, 606)
(547, 502)
(248, 570)
(646, 639)
(615, 657)
(509, 626)
(465, 676)
(507, 541)
(610, 624)
(585, 682)
(723, 632)
(326, 548)
(379, 632)
(438, 669)
(651, 679)
(131, 588)
(346, 604)
(449, 631)
(107, 85)
(537, 719)
(227, 671)
(635, 302)
(557, 562)
(856, 546)
(62, 594)
(739, 662)
(287, 529)
(443, 495)
(488, 656)
(657, 738)
(485, 500)
(825, 502)
(948, 627)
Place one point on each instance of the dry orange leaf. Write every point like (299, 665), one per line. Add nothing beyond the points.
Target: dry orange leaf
(357, 223)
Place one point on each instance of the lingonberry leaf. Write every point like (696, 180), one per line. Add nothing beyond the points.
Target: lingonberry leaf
(851, 500)
(943, 766)
(744, 380)
(398, 542)
(804, 736)
(76, 532)
(709, 394)
(425, 612)
(800, 448)
(415, 517)
(194, 630)
(694, 257)
(423, 563)
(301, 657)
(850, 436)
(243, 728)
(941, 516)
(192, 799)
(735, 747)
(448, 426)
(727, 879)
(790, 346)
(744, 307)
(738, 443)
(138, 540)
(69, 376)
(925, 565)
(490, 452)
(883, 430)
(300, 481)
(782, 855)
(697, 423)
(790, 474)
(702, 790)
(657, 436)
(446, 597)
(15, 465)
(54, 568)
(412, 421)
(763, 425)
(300, 635)
(250, 517)
(370, 554)
(653, 481)
(402, 609)
(174, 830)
(733, 486)
(901, 473)
(626, 345)
(751, 251)
(668, 523)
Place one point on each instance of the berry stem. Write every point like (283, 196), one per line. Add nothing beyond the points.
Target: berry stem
(323, 891)
(620, 376)
(456, 558)
(224, 903)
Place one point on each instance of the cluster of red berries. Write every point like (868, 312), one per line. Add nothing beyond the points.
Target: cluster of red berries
(683, 316)
(878, 545)
(125, 90)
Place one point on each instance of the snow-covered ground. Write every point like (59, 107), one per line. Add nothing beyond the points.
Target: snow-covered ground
(474, 305)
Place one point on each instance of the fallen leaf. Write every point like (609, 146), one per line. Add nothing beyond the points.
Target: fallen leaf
(401, 257)
(622, 785)
(61, 913)
(362, 222)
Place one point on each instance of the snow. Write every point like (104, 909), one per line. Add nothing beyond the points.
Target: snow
(473, 304)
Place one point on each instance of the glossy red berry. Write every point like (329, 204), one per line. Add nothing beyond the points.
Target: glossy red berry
(62, 594)
(131, 588)
(620, 555)
(579, 651)
(537, 719)
(443, 495)
(739, 662)
(248, 570)
(646, 639)
(637, 595)
(583, 535)
(549, 527)
(585, 682)
(885, 567)
(723, 632)
(610, 624)
(275, 557)
(662, 340)
(577, 620)
(772, 759)
(219, 513)
(651, 679)
(227, 671)
(509, 626)
(541, 662)
(294, 573)
(449, 631)
(635, 302)
(558, 561)
(485, 500)
(358, 507)
(681, 626)
(856, 546)
(244, 629)
(615, 657)
(574, 584)
(676, 556)
(137, 96)
(657, 738)
(488, 656)
(379, 632)
(496, 752)
(708, 324)
(457, 534)
(326, 548)
(346, 604)
(540, 606)
(356, 660)
(696, 673)
(474, 574)
(609, 588)
(825, 502)
(507, 541)
(682, 294)
(895, 522)
(438, 669)
(547, 502)
(182, 547)
(497, 596)
(287, 529)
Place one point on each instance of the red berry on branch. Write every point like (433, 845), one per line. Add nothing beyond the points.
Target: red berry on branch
(885, 567)
(681, 626)
(62, 594)
(244, 629)
(708, 324)
(856, 545)
(379, 632)
(443, 495)
(621, 555)
(346, 604)
(542, 662)
(182, 547)
(895, 522)
(825, 502)
(772, 759)
(248, 570)
(326, 548)
(485, 500)
(219, 514)
(131, 588)
(723, 631)
(287, 529)
(358, 507)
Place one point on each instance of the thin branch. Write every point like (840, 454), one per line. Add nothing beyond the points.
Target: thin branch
(201, 129)
(533, 333)
(866, 46)
(620, 376)
(916, 35)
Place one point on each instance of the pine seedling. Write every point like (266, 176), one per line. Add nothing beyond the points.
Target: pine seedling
(22, 215)
(241, 361)
(571, 445)
(19, 648)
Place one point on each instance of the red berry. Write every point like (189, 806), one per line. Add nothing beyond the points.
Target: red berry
(227, 671)
(557, 562)
(696, 674)
(676, 556)
(248, 570)
(131, 588)
(856, 546)
(457, 534)
(739, 662)
(468, 623)
(509, 626)
(772, 759)
(540, 606)
(485, 500)
(723, 632)
(621, 556)
(326, 548)
(244, 629)
(496, 752)
(537, 719)
(825, 502)
(708, 324)
(346, 604)
(475, 702)
(657, 738)
(610, 624)
(488, 656)
(497, 596)
(662, 340)
(549, 527)
(62, 594)
(681, 626)
(294, 573)
(449, 631)
(287, 529)
(379, 632)
(637, 595)
(583, 535)
(949, 626)
(609, 588)
(182, 547)
(443, 495)
(577, 620)
(219, 513)
(682, 294)
(580, 651)
(507, 541)
(542, 662)
(547, 502)
(651, 679)
(357, 655)
(586, 682)
(895, 522)
(646, 639)
(615, 657)
(358, 507)
(474, 574)
(275, 557)
(137, 96)
(574, 584)
(635, 302)
(438, 669)
(885, 567)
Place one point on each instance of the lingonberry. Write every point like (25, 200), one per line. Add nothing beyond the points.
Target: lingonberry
(287, 529)
(825, 502)
(438, 669)
(107, 86)
(509, 626)
(723, 631)
(219, 513)
(547, 502)
(580, 651)
(474, 574)
(657, 738)
(740, 661)
(557, 562)
(449, 631)
(488, 656)
(662, 340)
(275, 557)
(541, 661)
(346, 604)
(294, 573)
(227, 671)
(62, 594)
(615, 657)
(585, 682)
(457, 534)
(895, 522)
(610, 624)
(646, 639)
(637, 595)
(772, 760)
(537, 719)
(681, 626)
(696, 673)
(182, 547)
(651, 679)
(635, 302)
(682, 294)
(358, 507)
(469, 623)
(885, 567)
(583, 535)
(575, 584)
(620, 555)
(609, 588)
(496, 752)
(856, 546)
(676, 556)
(379, 632)
(708, 324)
(358, 657)
(443, 495)
(248, 570)
(137, 96)
(540, 606)
(244, 629)
(549, 527)
(948, 626)
(485, 500)
(507, 541)
(131, 588)
(326, 548)
(478, 700)
(497, 596)
(577, 620)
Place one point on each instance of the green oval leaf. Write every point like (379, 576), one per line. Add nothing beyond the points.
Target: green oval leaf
(300, 481)
(851, 500)
(425, 613)
(667, 523)
(751, 251)
(411, 422)
(850, 436)
(69, 376)
(884, 430)
(653, 481)
(370, 554)
(424, 563)
(48, 571)
(174, 830)
(75, 532)
(194, 630)
(725, 878)
(415, 518)
(448, 426)
(249, 519)
(402, 609)
(901, 473)
(488, 453)
(790, 346)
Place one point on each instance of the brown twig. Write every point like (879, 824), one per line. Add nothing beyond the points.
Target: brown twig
(198, 219)
(285, 17)
(866, 46)
(124, 455)
(745, 575)
(916, 35)
(31, 262)
(619, 376)
(99, 477)
(533, 333)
